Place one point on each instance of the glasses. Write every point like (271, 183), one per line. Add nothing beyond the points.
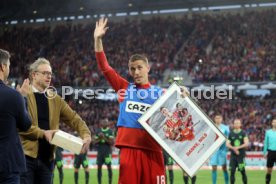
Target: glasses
(46, 73)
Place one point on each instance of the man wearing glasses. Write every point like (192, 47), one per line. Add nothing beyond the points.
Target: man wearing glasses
(46, 109)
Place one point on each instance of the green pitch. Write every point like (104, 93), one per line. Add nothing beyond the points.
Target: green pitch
(203, 177)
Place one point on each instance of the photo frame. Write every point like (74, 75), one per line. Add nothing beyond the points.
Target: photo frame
(182, 129)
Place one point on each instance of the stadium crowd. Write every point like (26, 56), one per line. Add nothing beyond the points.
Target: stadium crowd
(212, 48)
(231, 48)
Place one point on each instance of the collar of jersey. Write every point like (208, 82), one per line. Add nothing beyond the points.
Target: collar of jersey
(237, 131)
(105, 129)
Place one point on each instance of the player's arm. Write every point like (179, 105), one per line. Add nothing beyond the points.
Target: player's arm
(96, 139)
(99, 32)
(227, 132)
(228, 144)
(116, 81)
(245, 143)
(265, 144)
(110, 138)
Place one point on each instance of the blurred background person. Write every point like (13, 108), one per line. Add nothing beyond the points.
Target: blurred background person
(168, 162)
(270, 150)
(59, 163)
(219, 158)
(81, 160)
(104, 138)
(237, 143)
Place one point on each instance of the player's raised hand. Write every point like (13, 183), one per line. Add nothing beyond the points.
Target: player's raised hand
(100, 28)
(25, 88)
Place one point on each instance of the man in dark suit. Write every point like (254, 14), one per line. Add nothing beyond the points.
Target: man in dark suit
(13, 115)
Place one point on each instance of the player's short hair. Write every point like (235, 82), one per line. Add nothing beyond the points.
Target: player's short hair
(273, 118)
(34, 66)
(4, 56)
(136, 57)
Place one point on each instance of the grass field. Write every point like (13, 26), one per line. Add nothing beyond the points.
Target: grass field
(203, 177)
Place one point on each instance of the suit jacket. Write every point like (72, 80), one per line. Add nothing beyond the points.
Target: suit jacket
(13, 115)
(59, 110)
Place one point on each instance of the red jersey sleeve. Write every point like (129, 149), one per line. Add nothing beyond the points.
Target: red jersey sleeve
(115, 80)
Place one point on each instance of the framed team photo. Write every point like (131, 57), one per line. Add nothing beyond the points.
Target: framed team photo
(184, 131)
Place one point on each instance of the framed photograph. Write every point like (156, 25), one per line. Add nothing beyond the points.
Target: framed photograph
(184, 131)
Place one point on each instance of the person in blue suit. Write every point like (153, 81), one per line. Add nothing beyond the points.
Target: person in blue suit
(13, 116)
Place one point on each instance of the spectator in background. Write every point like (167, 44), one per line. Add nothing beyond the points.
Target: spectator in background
(59, 164)
(237, 143)
(168, 161)
(270, 150)
(104, 138)
(79, 160)
(219, 158)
